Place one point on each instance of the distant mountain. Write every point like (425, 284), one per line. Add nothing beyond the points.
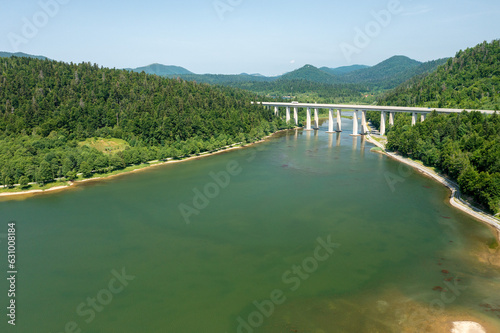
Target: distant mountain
(256, 74)
(20, 54)
(469, 80)
(343, 70)
(385, 75)
(176, 71)
(161, 70)
(384, 71)
(310, 73)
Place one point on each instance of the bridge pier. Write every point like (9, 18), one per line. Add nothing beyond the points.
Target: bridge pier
(296, 116)
(276, 111)
(330, 121)
(364, 126)
(355, 123)
(413, 118)
(287, 114)
(308, 123)
(382, 122)
(316, 119)
(391, 118)
(339, 120)
(422, 117)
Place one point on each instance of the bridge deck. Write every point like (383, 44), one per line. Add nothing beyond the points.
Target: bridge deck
(371, 107)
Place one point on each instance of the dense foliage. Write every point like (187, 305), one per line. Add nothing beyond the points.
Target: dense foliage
(465, 146)
(471, 80)
(48, 107)
(308, 91)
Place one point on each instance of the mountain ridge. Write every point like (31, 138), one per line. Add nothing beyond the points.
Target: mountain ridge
(22, 55)
(387, 74)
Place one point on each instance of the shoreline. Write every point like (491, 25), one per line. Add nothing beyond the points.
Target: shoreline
(455, 198)
(9, 195)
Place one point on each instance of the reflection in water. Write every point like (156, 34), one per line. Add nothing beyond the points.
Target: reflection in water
(363, 142)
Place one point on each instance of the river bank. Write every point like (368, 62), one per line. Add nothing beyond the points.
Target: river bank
(151, 164)
(455, 197)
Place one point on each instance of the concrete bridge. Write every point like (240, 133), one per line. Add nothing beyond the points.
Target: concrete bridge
(385, 111)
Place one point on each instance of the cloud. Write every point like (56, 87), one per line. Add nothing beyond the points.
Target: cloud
(292, 62)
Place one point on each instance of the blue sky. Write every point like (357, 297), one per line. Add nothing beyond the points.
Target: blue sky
(253, 36)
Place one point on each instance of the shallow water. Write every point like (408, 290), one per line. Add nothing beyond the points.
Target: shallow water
(258, 238)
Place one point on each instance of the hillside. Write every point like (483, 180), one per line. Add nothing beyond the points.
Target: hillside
(48, 108)
(161, 70)
(469, 80)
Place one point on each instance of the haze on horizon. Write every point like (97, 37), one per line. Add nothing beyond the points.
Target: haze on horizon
(235, 36)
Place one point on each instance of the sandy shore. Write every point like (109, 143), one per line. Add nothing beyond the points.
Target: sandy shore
(52, 189)
(169, 161)
(455, 199)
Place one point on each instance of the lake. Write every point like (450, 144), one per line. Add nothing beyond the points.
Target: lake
(305, 232)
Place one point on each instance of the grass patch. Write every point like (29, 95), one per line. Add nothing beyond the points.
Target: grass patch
(107, 146)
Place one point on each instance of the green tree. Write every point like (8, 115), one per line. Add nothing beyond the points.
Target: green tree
(23, 181)
(44, 173)
(86, 169)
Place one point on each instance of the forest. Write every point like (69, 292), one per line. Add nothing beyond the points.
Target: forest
(48, 108)
(464, 146)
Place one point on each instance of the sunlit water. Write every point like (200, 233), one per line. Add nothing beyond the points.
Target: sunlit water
(252, 259)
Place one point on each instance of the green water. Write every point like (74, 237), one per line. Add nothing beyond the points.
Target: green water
(392, 243)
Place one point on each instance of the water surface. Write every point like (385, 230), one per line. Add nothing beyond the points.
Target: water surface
(397, 240)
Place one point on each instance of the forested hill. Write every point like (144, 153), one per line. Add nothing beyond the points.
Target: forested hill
(469, 80)
(48, 108)
(391, 72)
(82, 101)
(311, 74)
